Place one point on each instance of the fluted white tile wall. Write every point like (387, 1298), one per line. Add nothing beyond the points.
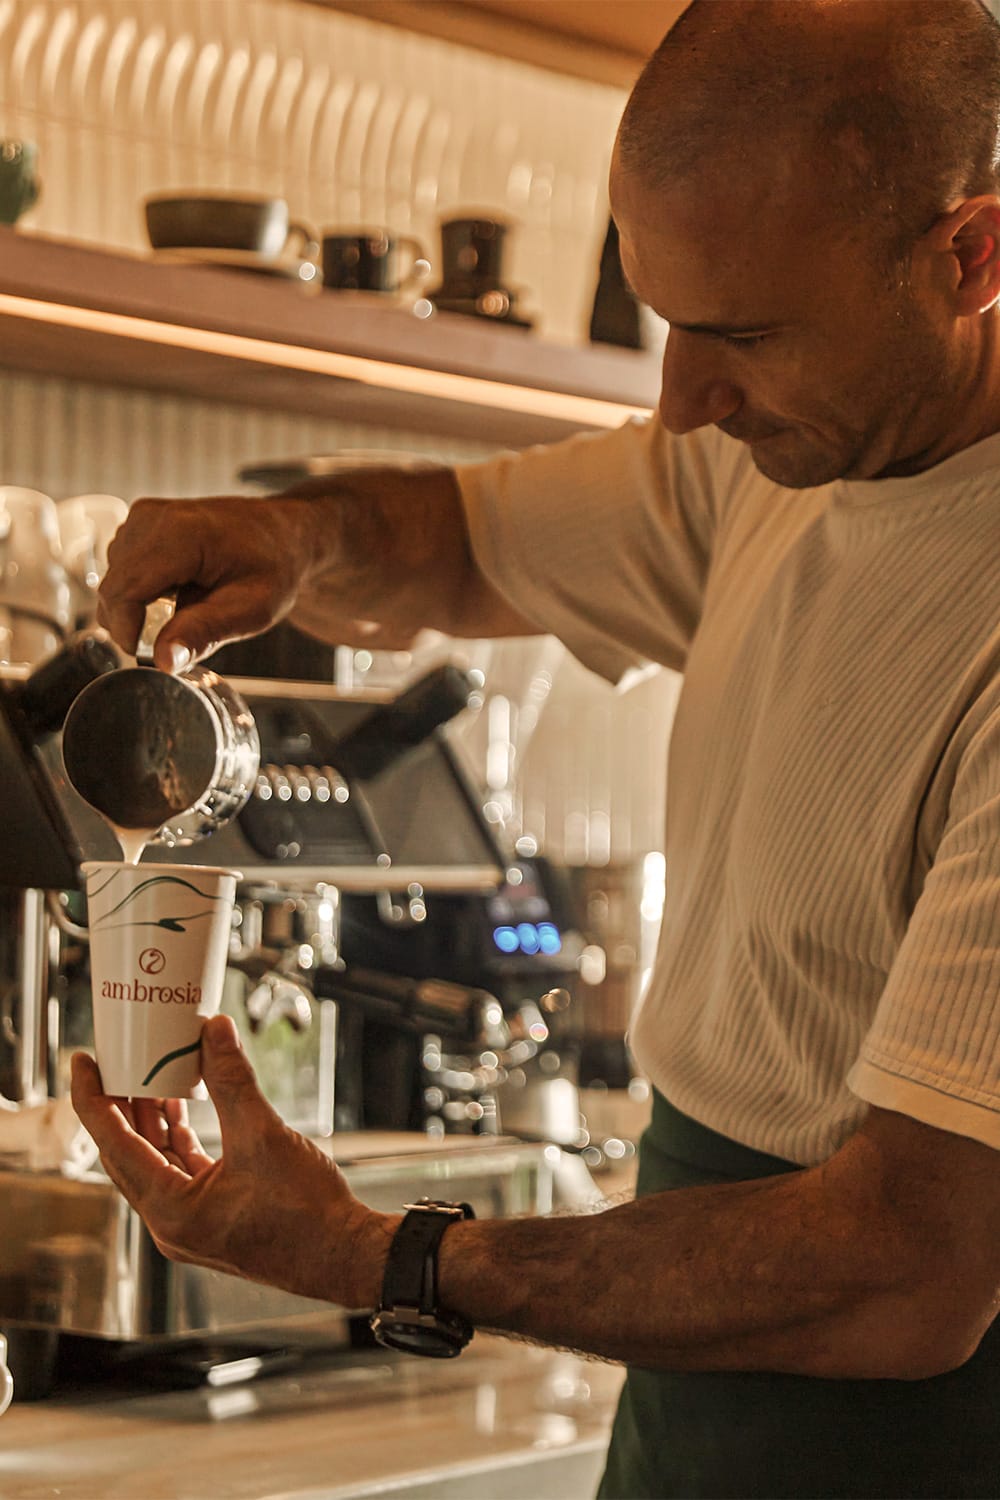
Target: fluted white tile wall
(66, 437)
(354, 123)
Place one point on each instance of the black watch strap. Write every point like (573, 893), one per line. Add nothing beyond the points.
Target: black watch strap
(408, 1316)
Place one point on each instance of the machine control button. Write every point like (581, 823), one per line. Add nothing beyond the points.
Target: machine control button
(299, 783)
(319, 785)
(280, 784)
(338, 786)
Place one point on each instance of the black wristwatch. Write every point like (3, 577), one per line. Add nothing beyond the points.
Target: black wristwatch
(408, 1316)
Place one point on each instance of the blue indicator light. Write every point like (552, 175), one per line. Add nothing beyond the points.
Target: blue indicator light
(506, 939)
(548, 938)
(527, 934)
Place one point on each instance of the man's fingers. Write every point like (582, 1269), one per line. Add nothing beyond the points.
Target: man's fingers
(230, 578)
(202, 621)
(133, 1165)
(141, 568)
(184, 1142)
(244, 1113)
(163, 1123)
(123, 620)
(245, 603)
(147, 1120)
(86, 1079)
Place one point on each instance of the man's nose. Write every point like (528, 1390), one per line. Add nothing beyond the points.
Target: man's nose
(693, 392)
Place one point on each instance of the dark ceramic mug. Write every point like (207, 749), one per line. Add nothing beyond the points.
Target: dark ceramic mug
(369, 260)
(19, 185)
(247, 226)
(472, 255)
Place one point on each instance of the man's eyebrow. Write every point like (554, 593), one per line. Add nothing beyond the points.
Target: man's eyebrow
(724, 329)
(720, 330)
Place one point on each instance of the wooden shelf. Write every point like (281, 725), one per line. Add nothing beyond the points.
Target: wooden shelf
(605, 43)
(234, 336)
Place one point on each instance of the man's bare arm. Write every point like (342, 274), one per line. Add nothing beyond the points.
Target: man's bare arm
(369, 558)
(882, 1263)
(400, 552)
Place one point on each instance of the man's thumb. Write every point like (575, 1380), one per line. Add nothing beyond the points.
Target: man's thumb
(229, 1078)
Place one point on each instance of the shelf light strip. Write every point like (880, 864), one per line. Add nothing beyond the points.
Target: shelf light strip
(411, 379)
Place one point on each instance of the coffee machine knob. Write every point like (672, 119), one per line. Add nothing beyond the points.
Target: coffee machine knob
(280, 785)
(320, 789)
(338, 786)
(299, 782)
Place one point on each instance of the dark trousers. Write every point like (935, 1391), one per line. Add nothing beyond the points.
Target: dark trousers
(718, 1435)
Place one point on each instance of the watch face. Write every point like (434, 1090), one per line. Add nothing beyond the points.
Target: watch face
(437, 1342)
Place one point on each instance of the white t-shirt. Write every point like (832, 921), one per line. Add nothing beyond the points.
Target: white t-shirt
(831, 931)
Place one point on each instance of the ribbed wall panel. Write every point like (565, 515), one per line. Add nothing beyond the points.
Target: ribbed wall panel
(66, 437)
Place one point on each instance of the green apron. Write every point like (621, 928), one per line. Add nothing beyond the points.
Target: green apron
(709, 1436)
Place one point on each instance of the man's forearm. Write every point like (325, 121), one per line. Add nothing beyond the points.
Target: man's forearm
(785, 1274)
(391, 556)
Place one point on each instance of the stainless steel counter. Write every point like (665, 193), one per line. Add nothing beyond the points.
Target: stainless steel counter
(503, 1420)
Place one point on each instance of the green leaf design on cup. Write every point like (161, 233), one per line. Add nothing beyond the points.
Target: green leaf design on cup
(169, 1057)
(172, 923)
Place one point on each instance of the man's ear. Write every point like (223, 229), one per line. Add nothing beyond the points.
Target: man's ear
(969, 236)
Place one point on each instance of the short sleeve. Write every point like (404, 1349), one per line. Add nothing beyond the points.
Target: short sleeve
(604, 539)
(933, 1051)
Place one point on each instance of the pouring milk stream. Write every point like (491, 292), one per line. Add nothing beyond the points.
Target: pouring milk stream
(163, 759)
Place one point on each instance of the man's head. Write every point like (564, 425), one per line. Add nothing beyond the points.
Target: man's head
(824, 174)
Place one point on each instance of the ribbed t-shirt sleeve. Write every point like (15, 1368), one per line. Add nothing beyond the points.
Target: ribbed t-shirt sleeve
(603, 540)
(933, 1051)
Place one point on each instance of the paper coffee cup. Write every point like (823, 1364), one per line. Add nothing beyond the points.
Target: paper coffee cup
(159, 938)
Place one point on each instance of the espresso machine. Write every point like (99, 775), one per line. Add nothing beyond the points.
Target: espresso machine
(395, 974)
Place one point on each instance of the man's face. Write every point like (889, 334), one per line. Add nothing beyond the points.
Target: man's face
(783, 335)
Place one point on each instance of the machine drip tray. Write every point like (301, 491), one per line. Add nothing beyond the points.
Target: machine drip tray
(87, 1368)
(178, 1367)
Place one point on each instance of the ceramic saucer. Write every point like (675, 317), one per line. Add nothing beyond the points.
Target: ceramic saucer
(304, 271)
(496, 305)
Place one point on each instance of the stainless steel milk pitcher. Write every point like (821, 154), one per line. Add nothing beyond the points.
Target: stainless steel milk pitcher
(173, 756)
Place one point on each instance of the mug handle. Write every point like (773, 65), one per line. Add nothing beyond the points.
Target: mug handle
(420, 267)
(303, 240)
(6, 1378)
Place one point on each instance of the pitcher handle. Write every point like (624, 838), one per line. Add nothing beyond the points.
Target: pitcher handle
(158, 614)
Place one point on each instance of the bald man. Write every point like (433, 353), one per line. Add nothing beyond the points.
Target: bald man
(804, 1289)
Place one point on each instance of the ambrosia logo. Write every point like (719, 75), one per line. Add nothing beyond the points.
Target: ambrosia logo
(150, 994)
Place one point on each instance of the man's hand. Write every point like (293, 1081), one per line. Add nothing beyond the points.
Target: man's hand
(237, 566)
(368, 559)
(273, 1208)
